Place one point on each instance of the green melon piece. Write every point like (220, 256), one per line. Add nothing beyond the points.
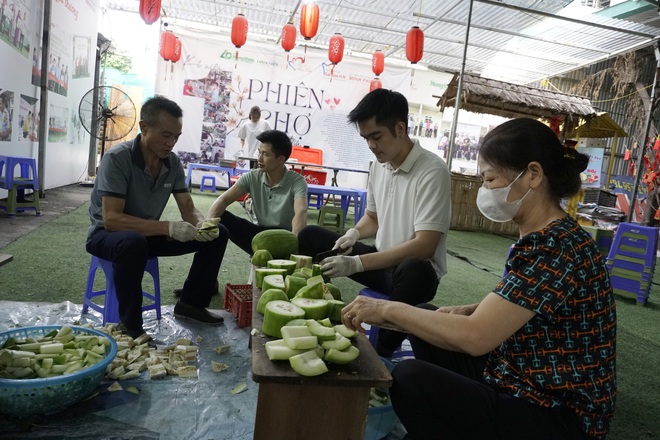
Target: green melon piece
(307, 272)
(334, 309)
(322, 332)
(268, 296)
(278, 350)
(316, 270)
(298, 273)
(261, 273)
(277, 314)
(345, 331)
(315, 291)
(334, 290)
(314, 308)
(343, 356)
(273, 282)
(295, 322)
(338, 343)
(308, 364)
(299, 337)
(316, 279)
(301, 260)
(260, 258)
(289, 265)
(281, 243)
(292, 284)
(326, 322)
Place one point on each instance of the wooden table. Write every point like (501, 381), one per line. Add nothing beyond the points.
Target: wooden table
(207, 166)
(332, 406)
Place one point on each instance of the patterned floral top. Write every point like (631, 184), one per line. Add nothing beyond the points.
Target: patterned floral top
(566, 354)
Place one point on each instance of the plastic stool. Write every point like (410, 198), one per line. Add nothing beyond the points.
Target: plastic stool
(211, 186)
(372, 333)
(110, 309)
(338, 212)
(16, 184)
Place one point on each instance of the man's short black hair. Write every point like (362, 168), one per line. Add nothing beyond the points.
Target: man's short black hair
(153, 106)
(388, 106)
(279, 141)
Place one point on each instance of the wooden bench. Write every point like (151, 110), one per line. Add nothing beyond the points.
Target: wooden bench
(331, 406)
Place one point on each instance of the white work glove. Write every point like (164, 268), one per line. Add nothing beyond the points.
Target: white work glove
(207, 230)
(182, 231)
(341, 266)
(346, 242)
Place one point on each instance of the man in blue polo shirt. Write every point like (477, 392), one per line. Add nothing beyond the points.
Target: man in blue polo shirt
(279, 195)
(133, 185)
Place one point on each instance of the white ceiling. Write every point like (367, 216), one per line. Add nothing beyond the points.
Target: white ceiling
(518, 41)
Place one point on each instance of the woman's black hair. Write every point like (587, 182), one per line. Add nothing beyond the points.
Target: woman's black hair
(515, 143)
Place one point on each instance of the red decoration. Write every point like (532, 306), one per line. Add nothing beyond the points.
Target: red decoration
(336, 48)
(239, 30)
(378, 62)
(150, 10)
(309, 20)
(375, 84)
(177, 51)
(167, 45)
(288, 38)
(414, 44)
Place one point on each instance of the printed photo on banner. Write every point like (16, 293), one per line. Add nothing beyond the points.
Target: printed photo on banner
(58, 123)
(59, 60)
(16, 20)
(81, 56)
(28, 118)
(6, 114)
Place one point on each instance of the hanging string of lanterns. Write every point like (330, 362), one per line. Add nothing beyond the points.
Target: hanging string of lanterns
(149, 10)
(288, 39)
(239, 30)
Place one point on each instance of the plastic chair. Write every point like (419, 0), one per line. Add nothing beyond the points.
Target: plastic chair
(207, 186)
(404, 350)
(16, 184)
(338, 223)
(110, 308)
(631, 260)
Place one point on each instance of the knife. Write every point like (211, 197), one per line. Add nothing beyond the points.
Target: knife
(323, 255)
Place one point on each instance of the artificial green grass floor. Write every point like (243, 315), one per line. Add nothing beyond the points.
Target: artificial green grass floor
(50, 265)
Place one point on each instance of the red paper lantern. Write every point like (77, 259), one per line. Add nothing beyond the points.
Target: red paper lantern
(414, 44)
(378, 62)
(375, 84)
(150, 10)
(177, 51)
(336, 48)
(239, 30)
(288, 39)
(309, 20)
(167, 45)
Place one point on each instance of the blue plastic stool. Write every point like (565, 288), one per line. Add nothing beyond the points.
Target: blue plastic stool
(110, 308)
(211, 186)
(372, 333)
(16, 184)
(631, 260)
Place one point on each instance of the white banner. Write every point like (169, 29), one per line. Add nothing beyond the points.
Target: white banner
(306, 97)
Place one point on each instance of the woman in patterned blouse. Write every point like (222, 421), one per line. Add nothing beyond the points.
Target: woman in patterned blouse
(535, 359)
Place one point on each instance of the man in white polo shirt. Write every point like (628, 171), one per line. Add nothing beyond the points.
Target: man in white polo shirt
(408, 212)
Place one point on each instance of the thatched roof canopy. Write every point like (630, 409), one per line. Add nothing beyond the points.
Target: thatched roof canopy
(602, 126)
(483, 95)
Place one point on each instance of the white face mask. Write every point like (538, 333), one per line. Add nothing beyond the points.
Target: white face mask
(494, 205)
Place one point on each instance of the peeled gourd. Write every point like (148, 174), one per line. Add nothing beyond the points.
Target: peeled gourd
(289, 265)
(277, 314)
(313, 308)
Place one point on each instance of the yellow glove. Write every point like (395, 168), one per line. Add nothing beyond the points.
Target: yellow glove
(207, 229)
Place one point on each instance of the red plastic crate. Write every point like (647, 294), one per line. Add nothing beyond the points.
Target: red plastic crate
(238, 301)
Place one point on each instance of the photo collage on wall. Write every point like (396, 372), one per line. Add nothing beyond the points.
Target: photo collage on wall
(28, 118)
(215, 89)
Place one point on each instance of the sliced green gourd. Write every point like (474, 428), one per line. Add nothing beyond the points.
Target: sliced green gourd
(288, 265)
(339, 343)
(314, 308)
(263, 272)
(273, 281)
(278, 350)
(322, 332)
(301, 260)
(277, 314)
(345, 331)
(292, 284)
(308, 364)
(343, 356)
(268, 296)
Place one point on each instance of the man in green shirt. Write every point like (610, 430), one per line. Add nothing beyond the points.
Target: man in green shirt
(279, 195)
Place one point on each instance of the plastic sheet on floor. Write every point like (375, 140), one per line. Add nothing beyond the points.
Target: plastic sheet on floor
(168, 408)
